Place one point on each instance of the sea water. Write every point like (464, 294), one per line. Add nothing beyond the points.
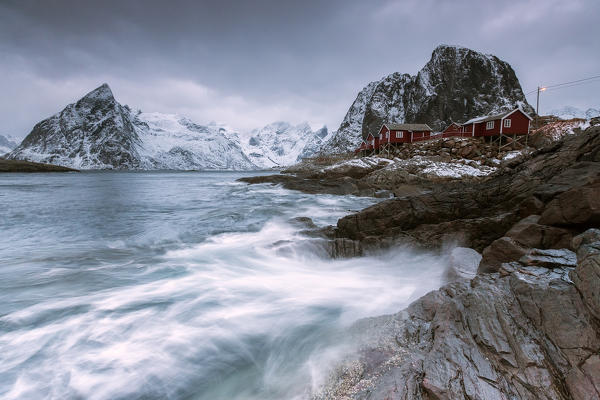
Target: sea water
(166, 285)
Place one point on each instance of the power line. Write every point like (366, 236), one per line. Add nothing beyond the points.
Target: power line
(565, 84)
(568, 86)
(579, 80)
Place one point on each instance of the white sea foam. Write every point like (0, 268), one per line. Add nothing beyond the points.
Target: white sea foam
(244, 314)
(237, 297)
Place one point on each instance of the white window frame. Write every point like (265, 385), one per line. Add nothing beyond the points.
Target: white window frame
(399, 135)
(507, 123)
(373, 142)
(387, 134)
(489, 125)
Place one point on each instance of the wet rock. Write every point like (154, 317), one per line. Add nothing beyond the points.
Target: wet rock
(529, 233)
(587, 274)
(500, 251)
(341, 248)
(303, 222)
(462, 264)
(383, 194)
(575, 207)
(554, 258)
(524, 335)
(408, 190)
(531, 206)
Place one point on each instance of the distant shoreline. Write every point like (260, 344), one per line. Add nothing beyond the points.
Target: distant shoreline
(28, 166)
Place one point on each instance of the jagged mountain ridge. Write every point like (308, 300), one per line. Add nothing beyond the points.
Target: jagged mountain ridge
(97, 132)
(6, 144)
(570, 112)
(455, 85)
(282, 144)
(94, 132)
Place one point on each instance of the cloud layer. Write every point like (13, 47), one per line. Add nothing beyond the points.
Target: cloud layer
(249, 63)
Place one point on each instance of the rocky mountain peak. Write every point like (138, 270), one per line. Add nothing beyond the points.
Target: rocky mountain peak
(101, 93)
(456, 84)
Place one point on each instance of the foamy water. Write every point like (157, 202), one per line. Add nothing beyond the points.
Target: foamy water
(180, 286)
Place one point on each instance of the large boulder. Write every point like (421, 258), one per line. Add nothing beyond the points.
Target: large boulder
(575, 207)
(462, 264)
(501, 251)
(530, 233)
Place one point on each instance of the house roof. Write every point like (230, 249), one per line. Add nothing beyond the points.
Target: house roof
(494, 117)
(408, 127)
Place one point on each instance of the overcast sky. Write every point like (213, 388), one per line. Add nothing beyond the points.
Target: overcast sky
(249, 63)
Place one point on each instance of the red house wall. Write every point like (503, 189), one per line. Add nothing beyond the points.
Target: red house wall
(419, 136)
(404, 139)
(481, 129)
(519, 124)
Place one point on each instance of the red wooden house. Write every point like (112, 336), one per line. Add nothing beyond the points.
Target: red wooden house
(510, 123)
(403, 133)
(515, 122)
(363, 147)
(372, 141)
(454, 129)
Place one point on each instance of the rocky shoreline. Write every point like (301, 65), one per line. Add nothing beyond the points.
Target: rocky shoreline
(524, 332)
(520, 321)
(410, 169)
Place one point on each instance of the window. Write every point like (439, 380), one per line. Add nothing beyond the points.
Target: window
(387, 134)
(489, 125)
(399, 135)
(507, 123)
(373, 142)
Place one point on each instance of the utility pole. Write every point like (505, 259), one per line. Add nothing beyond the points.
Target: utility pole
(537, 105)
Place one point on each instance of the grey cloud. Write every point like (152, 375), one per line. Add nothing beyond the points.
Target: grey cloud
(247, 63)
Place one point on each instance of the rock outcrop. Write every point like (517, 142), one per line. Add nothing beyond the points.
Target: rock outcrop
(456, 84)
(527, 326)
(525, 332)
(475, 213)
(410, 170)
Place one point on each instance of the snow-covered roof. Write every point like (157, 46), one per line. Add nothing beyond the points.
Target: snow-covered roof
(494, 117)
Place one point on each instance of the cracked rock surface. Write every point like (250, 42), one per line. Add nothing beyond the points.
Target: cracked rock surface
(525, 332)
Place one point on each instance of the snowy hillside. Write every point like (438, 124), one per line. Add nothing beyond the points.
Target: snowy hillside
(97, 132)
(455, 85)
(569, 112)
(170, 141)
(7, 143)
(282, 144)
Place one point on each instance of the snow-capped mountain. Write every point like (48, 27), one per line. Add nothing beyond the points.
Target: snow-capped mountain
(569, 112)
(97, 132)
(282, 144)
(173, 142)
(7, 143)
(455, 85)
